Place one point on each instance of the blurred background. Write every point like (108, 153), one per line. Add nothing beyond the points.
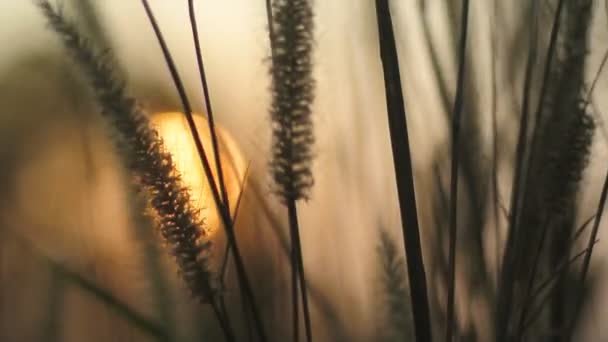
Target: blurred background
(65, 203)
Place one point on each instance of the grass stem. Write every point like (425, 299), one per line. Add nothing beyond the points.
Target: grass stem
(403, 172)
(456, 124)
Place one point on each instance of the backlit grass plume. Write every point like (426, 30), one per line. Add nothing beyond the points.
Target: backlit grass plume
(142, 150)
(291, 39)
(292, 90)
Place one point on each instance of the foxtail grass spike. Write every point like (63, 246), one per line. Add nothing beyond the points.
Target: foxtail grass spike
(291, 39)
(563, 132)
(292, 90)
(224, 211)
(144, 154)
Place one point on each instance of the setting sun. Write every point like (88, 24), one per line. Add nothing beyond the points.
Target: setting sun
(173, 128)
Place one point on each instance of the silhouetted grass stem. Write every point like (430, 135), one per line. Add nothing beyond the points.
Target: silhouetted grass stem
(456, 118)
(403, 172)
(510, 257)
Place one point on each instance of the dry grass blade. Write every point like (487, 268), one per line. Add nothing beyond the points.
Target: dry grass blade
(456, 118)
(403, 172)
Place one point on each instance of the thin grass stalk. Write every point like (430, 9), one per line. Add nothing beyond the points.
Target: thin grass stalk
(224, 213)
(293, 226)
(438, 73)
(541, 306)
(472, 232)
(403, 172)
(587, 260)
(456, 118)
(316, 295)
(494, 109)
(551, 51)
(214, 141)
(555, 274)
(531, 293)
(510, 258)
(290, 34)
(237, 208)
(531, 280)
(293, 222)
(224, 322)
(581, 229)
(208, 107)
(596, 78)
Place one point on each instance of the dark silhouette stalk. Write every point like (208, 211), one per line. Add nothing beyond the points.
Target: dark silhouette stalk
(212, 130)
(535, 264)
(224, 214)
(495, 157)
(403, 172)
(295, 231)
(223, 321)
(457, 113)
(510, 259)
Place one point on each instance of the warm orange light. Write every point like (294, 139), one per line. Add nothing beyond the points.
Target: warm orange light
(174, 130)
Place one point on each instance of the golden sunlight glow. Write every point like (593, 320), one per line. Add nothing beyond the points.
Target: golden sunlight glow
(174, 130)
